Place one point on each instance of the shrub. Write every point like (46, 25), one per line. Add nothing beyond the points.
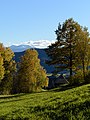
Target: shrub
(87, 77)
(77, 78)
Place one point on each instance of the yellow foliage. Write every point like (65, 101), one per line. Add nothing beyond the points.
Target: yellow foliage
(31, 75)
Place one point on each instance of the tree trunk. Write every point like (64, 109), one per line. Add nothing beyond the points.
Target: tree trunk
(70, 61)
(83, 69)
(87, 65)
(71, 66)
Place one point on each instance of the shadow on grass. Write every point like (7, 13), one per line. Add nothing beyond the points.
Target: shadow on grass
(11, 101)
(89, 88)
(65, 111)
(12, 96)
(65, 87)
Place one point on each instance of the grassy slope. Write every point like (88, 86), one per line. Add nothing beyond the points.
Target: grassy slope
(72, 104)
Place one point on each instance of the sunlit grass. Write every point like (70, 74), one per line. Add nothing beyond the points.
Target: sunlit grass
(71, 104)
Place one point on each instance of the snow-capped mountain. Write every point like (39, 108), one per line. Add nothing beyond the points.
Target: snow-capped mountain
(31, 44)
(19, 48)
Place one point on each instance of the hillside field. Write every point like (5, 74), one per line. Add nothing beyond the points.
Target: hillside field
(56, 104)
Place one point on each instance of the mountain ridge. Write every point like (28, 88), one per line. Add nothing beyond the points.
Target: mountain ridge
(40, 44)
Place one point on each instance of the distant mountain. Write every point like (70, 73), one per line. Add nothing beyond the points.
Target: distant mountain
(19, 48)
(31, 44)
(42, 56)
(40, 46)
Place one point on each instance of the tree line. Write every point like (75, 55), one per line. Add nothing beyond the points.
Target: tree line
(26, 76)
(71, 51)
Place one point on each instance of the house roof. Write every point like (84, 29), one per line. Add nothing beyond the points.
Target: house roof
(61, 79)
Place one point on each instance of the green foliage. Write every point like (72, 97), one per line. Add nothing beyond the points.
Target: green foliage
(31, 76)
(77, 79)
(87, 77)
(72, 104)
(63, 51)
(71, 48)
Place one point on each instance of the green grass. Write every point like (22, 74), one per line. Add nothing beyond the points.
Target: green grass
(71, 104)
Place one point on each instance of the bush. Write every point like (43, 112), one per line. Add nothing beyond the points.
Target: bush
(87, 77)
(77, 79)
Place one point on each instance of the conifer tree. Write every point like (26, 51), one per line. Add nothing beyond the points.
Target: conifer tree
(67, 52)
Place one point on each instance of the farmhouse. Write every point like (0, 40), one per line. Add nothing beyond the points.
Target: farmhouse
(56, 81)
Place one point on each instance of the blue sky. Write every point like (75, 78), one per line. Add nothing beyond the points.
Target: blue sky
(24, 20)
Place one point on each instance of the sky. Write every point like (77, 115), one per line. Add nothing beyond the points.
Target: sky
(33, 20)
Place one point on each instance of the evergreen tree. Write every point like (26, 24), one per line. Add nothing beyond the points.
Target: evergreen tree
(65, 52)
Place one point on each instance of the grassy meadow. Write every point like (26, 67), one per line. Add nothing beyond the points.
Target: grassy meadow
(55, 104)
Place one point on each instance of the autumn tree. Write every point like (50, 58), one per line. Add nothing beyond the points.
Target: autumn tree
(31, 76)
(1, 68)
(9, 67)
(1, 62)
(83, 50)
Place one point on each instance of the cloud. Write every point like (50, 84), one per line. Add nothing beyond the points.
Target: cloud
(31, 44)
